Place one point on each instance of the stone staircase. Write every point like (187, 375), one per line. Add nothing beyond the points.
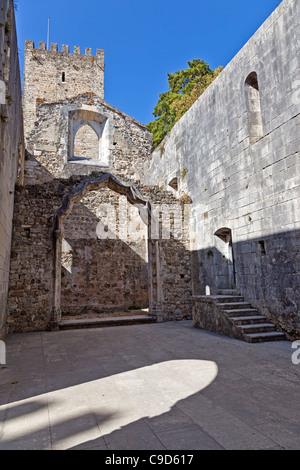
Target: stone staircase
(253, 327)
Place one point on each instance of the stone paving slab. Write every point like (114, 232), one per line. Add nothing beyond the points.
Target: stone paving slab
(147, 387)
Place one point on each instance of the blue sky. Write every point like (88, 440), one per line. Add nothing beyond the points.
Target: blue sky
(144, 40)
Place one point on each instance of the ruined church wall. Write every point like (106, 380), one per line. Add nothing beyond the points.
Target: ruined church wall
(31, 287)
(30, 299)
(126, 143)
(11, 144)
(249, 185)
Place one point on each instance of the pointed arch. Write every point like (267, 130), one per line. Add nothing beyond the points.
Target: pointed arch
(86, 143)
(89, 138)
(92, 183)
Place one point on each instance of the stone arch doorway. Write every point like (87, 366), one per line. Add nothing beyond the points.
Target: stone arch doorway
(227, 266)
(88, 184)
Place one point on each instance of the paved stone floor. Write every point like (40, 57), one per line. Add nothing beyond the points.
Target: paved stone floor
(151, 387)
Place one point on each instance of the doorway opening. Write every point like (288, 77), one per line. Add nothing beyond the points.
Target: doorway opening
(227, 267)
(102, 255)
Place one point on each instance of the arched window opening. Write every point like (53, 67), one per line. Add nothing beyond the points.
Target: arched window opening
(90, 135)
(254, 116)
(86, 144)
(174, 184)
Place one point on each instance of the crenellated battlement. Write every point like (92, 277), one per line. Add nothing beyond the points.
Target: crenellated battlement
(30, 46)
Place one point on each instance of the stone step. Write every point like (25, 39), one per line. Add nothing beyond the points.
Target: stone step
(264, 337)
(219, 298)
(234, 305)
(257, 328)
(223, 299)
(228, 292)
(253, 327)
(241, 312)
(248, 319)
(105, 322)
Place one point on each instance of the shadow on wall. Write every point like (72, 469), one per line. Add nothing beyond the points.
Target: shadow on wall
(35, 173)
(100, 275)
(267, 273)
(100, 271)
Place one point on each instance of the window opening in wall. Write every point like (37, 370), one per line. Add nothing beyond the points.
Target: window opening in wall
(253, 104)
(63, 77)
(89, 138)
(262, 247)
(174, 184)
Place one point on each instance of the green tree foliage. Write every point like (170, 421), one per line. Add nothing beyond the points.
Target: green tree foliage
(185, 87)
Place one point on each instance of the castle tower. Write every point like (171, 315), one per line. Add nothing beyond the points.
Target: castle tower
(51, 76)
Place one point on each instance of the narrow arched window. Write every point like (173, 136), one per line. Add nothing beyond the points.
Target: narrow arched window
(254, 116)
(86, 144)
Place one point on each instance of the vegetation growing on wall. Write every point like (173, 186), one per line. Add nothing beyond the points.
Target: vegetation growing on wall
(185, 87)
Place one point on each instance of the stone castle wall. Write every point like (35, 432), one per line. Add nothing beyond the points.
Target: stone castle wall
(31, 271)
(11, 144)
(236, 154)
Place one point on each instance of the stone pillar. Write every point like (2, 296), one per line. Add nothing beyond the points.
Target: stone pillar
(155, 298)
(158, 313)
(56, 312)
(150, 262)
